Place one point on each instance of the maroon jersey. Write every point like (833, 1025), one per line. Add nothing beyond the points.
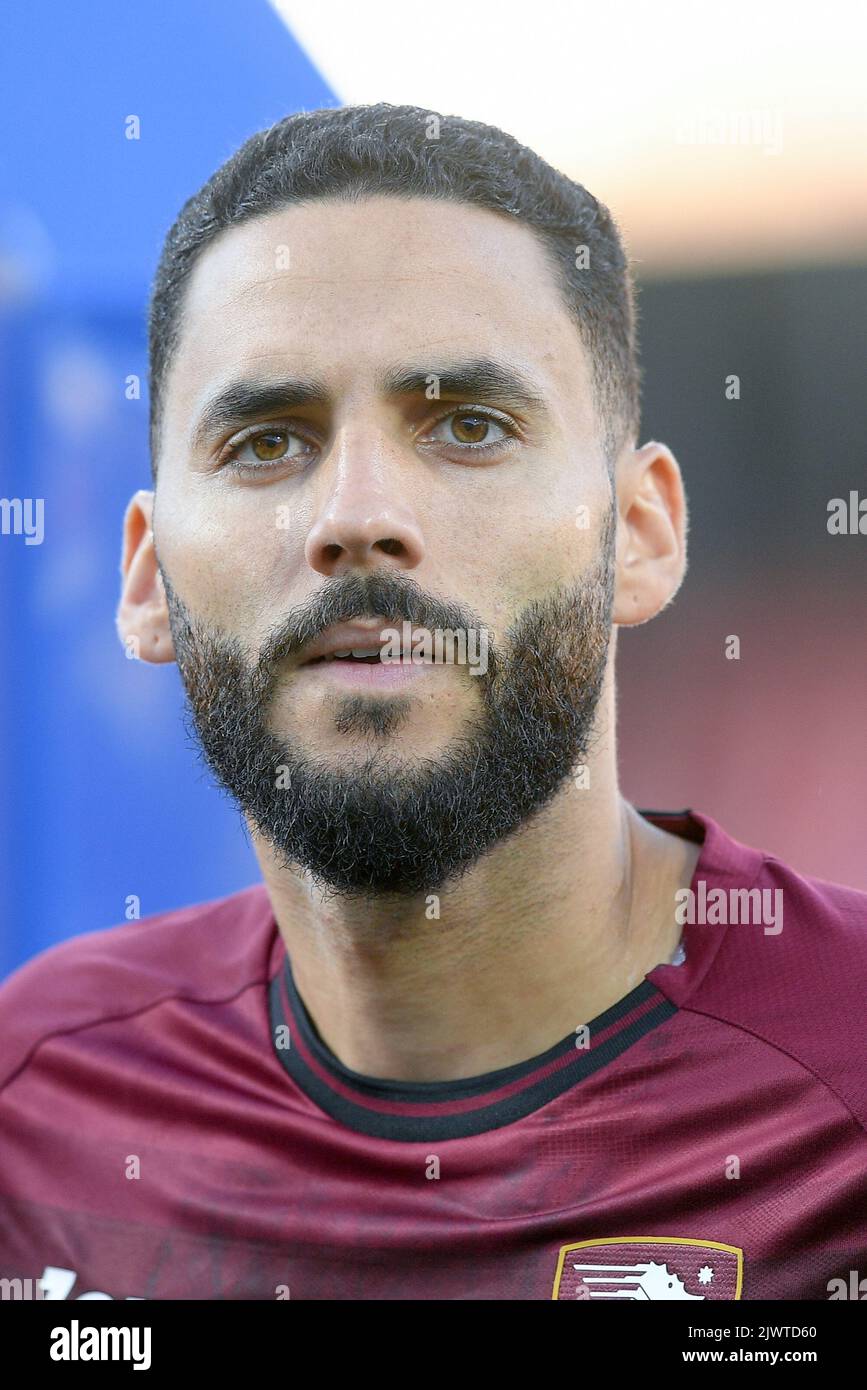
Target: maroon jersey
(172, 1126)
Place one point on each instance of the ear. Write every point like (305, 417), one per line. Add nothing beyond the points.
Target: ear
(142, 613)
(651, 533)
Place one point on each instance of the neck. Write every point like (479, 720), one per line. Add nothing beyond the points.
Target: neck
(544, 934)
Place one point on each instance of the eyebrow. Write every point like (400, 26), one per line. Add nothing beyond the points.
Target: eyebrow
(478, 380)
(241, 402)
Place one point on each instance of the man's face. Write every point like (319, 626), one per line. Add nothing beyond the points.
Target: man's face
(365, 503)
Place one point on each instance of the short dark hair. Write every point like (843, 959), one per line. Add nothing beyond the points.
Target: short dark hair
(407, 152)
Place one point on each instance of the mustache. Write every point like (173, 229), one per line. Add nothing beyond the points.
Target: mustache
(393, 598)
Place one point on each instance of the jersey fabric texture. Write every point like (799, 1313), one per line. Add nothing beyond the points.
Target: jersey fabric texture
(173, 1127)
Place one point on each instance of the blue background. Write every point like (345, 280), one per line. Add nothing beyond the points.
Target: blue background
(102, 795)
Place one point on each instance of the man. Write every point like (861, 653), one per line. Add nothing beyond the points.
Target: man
(484, 1030)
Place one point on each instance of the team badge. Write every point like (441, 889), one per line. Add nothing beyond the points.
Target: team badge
(649, 1268)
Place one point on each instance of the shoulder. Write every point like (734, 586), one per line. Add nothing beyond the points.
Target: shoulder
(202, 952)
(787, 964)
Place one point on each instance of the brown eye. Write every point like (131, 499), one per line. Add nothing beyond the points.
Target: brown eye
(267, 450)
(472, 432)
(268, 447)
(470, 429)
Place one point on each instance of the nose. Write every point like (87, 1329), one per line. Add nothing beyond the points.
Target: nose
(364, 517)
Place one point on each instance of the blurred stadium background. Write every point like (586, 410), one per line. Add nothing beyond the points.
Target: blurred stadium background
(730, 145)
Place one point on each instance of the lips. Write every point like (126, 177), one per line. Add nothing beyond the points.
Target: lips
(346, 642)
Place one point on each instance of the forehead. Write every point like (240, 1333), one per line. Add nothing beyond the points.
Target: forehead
(346, 289)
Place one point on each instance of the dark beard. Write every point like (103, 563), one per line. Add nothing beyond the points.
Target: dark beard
(377, 826)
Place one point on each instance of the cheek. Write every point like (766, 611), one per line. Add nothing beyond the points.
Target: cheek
(548, 550)
(235, 565)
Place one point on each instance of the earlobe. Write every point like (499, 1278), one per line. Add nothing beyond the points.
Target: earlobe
(142, 614)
